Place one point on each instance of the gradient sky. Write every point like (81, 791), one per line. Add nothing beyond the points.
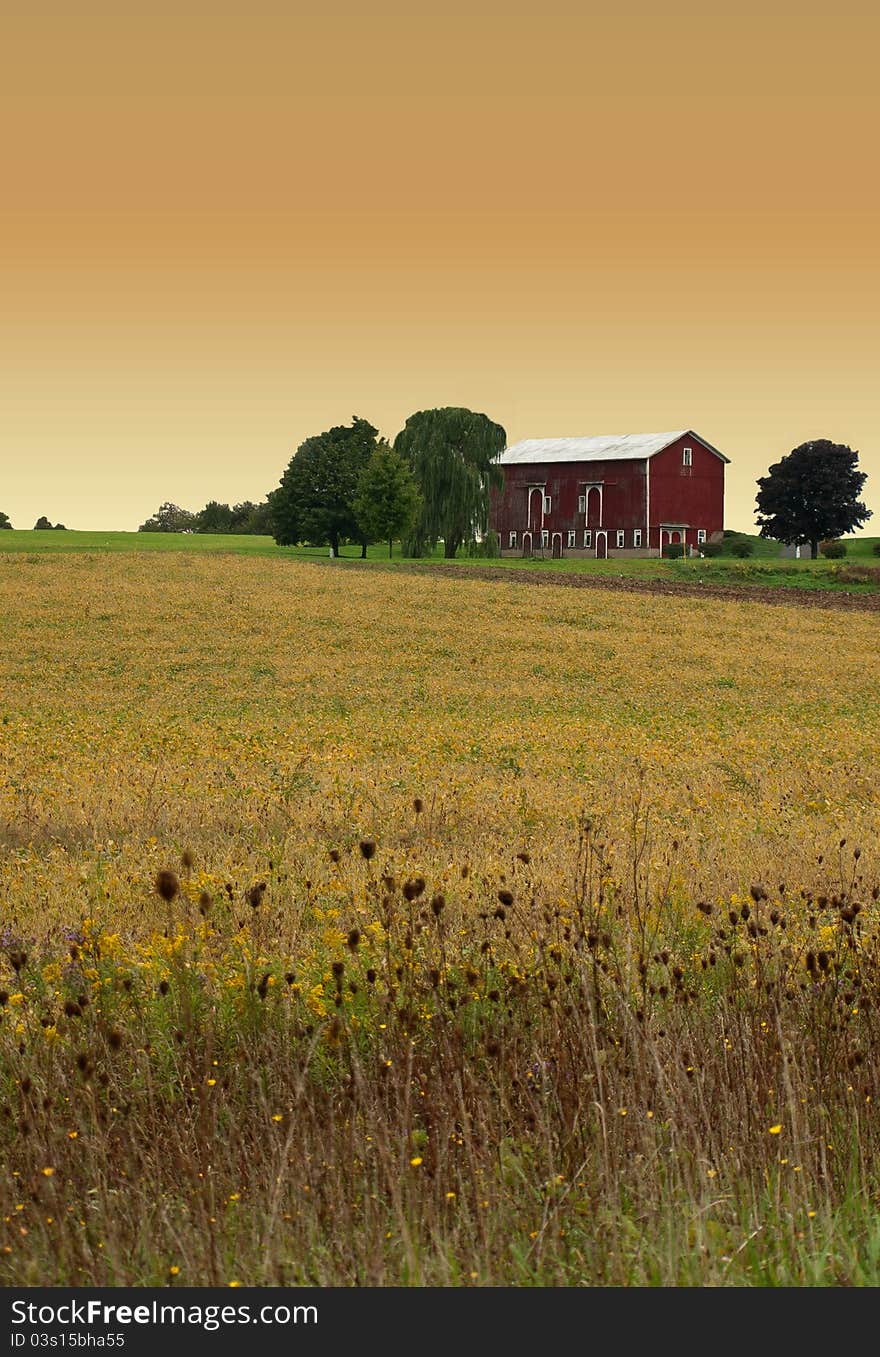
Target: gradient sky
(226, 227)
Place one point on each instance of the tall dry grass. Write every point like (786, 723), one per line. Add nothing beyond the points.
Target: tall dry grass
(345, 942)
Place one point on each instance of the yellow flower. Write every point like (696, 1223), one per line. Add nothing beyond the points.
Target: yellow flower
(775, 1130)
(47, 1172)
(416, 1161)
(174, 1270)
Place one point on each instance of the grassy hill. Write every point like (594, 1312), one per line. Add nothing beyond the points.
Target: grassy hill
(763, 567)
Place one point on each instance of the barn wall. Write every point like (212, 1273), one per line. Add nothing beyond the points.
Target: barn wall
(692, 495)
(623, 496)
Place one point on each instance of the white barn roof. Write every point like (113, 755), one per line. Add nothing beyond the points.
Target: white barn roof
(607, 448)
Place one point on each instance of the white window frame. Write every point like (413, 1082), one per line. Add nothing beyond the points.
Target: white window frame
(571, 537)
(637, 537)
(582, 504)
(621, 537)
(545, 537)
(588, 537)
(701, 536)
(511, 540)
(687, 456)
(548, 504)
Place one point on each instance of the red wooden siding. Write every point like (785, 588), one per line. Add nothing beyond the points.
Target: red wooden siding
(678, 495)
(692, 495)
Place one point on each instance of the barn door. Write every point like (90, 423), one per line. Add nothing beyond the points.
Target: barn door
(601, 546)
(536, 512)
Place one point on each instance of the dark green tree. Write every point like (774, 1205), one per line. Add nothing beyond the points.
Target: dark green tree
(253, 518)
(42, 524)
(812, 495)
(215, 517)
(169, 518)
(452, 454)
(4, 521)
(387, 502)
(315, 501)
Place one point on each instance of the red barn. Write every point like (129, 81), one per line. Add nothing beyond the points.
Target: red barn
(620, 495)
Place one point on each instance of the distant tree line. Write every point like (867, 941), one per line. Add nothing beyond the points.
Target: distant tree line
(41, 524)
(246, 517)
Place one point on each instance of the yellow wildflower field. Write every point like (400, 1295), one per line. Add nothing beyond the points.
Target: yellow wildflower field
(259, 713)
(393, 929)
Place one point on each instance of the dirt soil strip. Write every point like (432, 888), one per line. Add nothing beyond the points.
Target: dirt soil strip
(790, 597)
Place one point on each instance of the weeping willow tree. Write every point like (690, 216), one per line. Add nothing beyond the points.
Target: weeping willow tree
(452, 453)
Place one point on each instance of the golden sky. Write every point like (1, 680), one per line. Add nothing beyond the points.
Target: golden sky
(226, 227)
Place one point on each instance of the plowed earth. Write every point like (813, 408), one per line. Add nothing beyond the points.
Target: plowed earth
(842, 600)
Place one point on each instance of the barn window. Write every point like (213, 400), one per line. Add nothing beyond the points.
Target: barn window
(620, 537)
(582, 504)
(545, 537)
(547, 503)
(588, 538)
(687, 457)
(511, 541)
(571, 537)
(637, 537)
(701, 535)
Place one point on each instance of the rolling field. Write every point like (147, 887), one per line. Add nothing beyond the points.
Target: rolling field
(857, 574)
(360, 927)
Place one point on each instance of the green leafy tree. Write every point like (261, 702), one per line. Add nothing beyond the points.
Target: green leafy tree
(252, 518)
(169, 518)
(315, 501)
(42, 524)
(387, 502)
(4, 521)
(215, 517)
(452, 454)
(812, 495)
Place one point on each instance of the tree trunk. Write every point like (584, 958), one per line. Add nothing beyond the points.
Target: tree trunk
(334, 543)
(363, 551)
(389, 548)
(814, 550)
(450, 547)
